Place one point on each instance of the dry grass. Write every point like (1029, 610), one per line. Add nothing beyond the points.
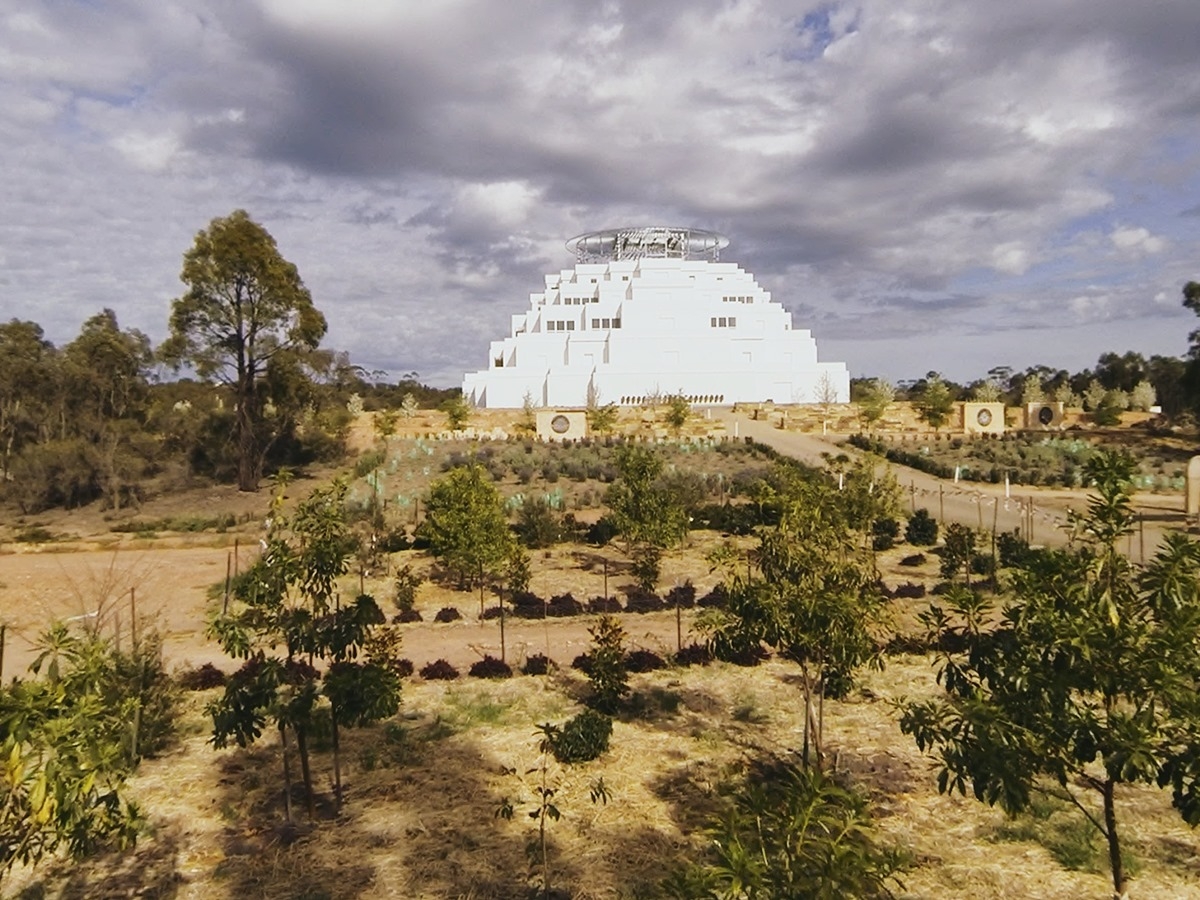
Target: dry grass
(422, 792)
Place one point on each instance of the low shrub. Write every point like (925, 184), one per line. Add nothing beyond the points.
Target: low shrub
(884, 533)
(439, 670)
(409, 615)
(694, 655)
(644, 602)
(917, 559)
(447, 614)
(538, 664)
(582, 663)
(602, 531)
(492, 612)
(604, 605)
(403, 668)
(201, 678)
(563, 605)
(682, 596)
(717, 598)
(922, 529)
(490, 667)
(909, 591)
(583, 737)
(644, 661)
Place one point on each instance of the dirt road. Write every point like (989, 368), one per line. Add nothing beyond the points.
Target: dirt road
(977, 505)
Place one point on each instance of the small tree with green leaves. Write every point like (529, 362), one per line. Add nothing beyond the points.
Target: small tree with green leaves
(935, 402)
(288, 602)
(458, 413)
(1085, 681)
(606, 672)
(814, 599)
(877, 397)
(645, 510)
(601, 418)
(679, 410)
(466, 526)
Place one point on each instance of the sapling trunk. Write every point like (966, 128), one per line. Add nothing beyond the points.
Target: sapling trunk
(337, 762)
(502, 657)
(287, 774)
(306, 773)
(1114, 843)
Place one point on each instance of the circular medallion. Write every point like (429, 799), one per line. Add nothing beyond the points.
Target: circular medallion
(984, 417)
(1046, 415)
(560, 424)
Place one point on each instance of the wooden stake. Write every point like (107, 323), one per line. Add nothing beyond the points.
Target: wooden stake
(1141, 541)
(3, 631)
(941, 502)
(133, 617)
(228, 582)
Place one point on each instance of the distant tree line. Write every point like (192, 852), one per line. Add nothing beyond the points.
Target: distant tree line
(238, 390)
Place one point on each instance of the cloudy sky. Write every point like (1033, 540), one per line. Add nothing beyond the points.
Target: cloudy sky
(925, 185)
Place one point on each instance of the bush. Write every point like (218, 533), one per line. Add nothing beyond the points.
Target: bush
(694, 655)
(583, 737)
(909, 591)
(201, 679)
(644, 661)
(492, 612)
(582, 663)
(917, 559)
(393, 540)
(538, 524)
(447, 614)
(403, 668)
(640, 601)
(884, 533)
(564, 605)
(791, 832)
(604, 605)
(440, 670)
(717, 598)
(682, 596)
(922, 530)
(490, 667)
(602, 531)
(538, 664)
(410, 615)
(1012, 549)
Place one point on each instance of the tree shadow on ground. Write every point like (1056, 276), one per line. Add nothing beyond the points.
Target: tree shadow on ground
(418, 821)
(148, 872)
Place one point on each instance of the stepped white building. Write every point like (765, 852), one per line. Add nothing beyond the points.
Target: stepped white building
(653, 311)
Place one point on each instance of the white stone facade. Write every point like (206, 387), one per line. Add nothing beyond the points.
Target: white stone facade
(631, 328)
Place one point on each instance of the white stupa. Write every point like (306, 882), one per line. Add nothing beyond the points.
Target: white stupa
(650, 311)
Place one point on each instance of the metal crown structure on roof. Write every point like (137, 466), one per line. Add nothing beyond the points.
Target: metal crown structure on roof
(652, 242)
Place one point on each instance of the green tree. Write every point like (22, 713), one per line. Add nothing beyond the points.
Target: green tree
(814, 599)
(876, 397)
(27, 382)
(601, 418)
(466, 526)
(244, 306)
(679, 410)
(458, 413)
(288, 600)
(1085, 681)
(647, 513)
(935, 402)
